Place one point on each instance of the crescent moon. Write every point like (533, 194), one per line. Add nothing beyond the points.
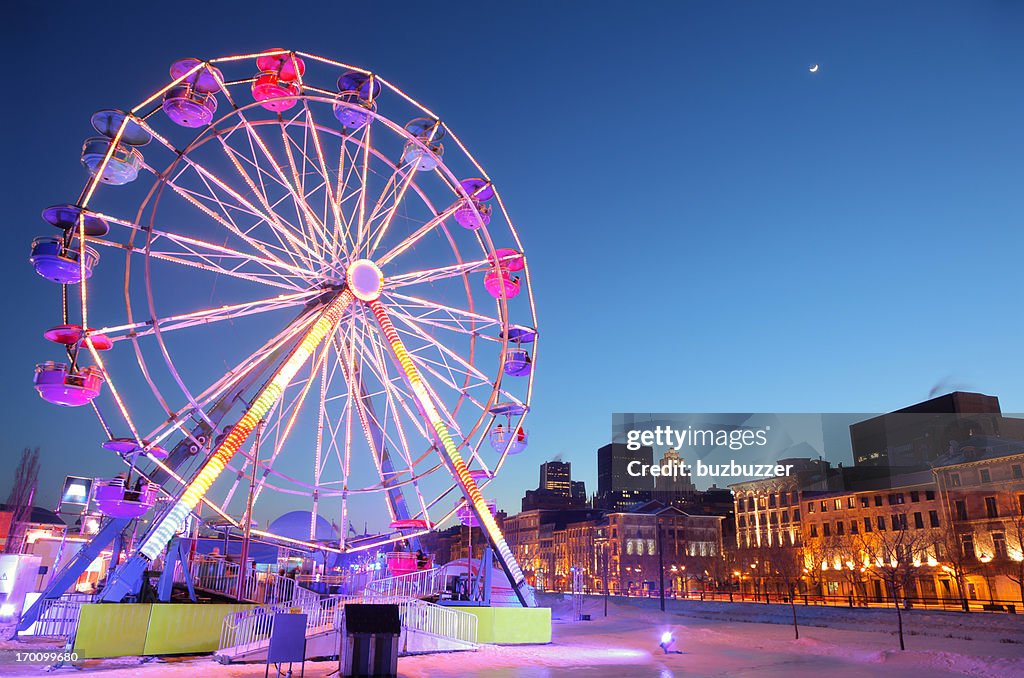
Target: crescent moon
(813, 69)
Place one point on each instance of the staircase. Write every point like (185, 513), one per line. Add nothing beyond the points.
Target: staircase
(426, 627)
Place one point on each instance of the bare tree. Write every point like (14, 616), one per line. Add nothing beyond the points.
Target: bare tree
(1012, 566)
(19, 501)
(894, 556)
(949, 548)
(786, 566)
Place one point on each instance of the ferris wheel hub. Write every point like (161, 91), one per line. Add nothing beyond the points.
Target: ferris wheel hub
(365, 280)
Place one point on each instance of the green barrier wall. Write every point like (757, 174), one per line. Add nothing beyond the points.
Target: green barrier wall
(129, 630)
(181, 628)
(112, 630)
(512, 625)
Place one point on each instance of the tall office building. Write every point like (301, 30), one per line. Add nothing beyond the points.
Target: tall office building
(556, 476)
(673, 488)
(617, 490)
(914, 436)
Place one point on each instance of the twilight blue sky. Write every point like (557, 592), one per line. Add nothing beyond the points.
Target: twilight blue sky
(710, 226)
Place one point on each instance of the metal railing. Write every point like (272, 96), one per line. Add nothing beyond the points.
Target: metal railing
(217, 575)
(945, 603)
(58, 616)
(250, 630)
(419, 584)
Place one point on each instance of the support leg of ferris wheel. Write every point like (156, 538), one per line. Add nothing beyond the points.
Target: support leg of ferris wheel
(180, 455)
(366, 282)
(126, 579)
(375, 436)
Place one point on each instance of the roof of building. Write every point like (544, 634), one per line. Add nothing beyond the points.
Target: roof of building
(980, 448)
(40, 515)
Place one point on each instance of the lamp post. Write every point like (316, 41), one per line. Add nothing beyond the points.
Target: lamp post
(661, 563)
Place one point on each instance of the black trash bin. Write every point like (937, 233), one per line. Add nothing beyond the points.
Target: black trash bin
(369, 645)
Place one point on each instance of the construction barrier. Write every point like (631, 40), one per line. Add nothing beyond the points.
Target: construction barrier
(131, 630)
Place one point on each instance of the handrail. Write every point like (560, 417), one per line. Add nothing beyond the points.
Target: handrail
(58, 616)
(419, 584)
(251, 629)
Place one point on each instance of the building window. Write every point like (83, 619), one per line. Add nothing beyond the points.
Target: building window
(810, 507)
(1017, 471)
(878, 500)
(771, 501)
(991, 510)
(881, 523)
(933, 518)
(840, 528)
(814, 530)
(850, 502)
(967, 546)
(865, 502)
(899, 521)
(961, 509)
(838, 504)
(867, 524)
(796, 512)
(826, 530)
(986, 476)
(929, 495)
(785, 516)
(824, 506)
(742, 521)
(853, 527)
(954, 480)
(784, 499)
(999, 544)
(915, 496)
(895, 499)
(918, 521)
(795, 498)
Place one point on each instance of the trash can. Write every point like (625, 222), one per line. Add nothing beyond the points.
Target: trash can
(369, 644)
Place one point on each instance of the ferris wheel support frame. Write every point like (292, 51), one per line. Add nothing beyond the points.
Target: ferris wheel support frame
(454, 460)
(125, 580)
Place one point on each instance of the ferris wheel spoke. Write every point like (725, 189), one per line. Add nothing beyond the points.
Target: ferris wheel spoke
(208, 251)
(268, 213)
(197, 405)
(415, 236)
(442, 316)
(337, 245)
(208, 316)
(435, 274)
(300, 203)
(387, 204)
(364, 176)
(208, 179)
(316, 227)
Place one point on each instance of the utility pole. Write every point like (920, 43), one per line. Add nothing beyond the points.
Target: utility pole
(606, 590)
(661, 564)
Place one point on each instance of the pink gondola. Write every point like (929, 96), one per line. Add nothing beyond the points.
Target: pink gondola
(71, 335)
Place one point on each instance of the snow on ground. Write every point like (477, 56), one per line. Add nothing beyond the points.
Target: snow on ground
(716, 639)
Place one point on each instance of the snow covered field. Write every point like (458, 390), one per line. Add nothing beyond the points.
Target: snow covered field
(714, 639)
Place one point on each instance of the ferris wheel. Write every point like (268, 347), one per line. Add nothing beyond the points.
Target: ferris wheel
(286, 278)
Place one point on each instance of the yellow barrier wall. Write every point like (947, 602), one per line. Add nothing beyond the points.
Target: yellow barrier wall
(511, 625)
(112, 630)
(184, 628)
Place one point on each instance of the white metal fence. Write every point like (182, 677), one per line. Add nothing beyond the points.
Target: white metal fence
(419, 584)
(250, 630)
(58, 616)
(217, 575)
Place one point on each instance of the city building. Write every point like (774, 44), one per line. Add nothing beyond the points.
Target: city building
(556, 476)
(674, 489)
(950, 529)
(617, 490)
(914, 436)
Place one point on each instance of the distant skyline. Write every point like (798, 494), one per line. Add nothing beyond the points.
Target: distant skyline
(709, 225)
